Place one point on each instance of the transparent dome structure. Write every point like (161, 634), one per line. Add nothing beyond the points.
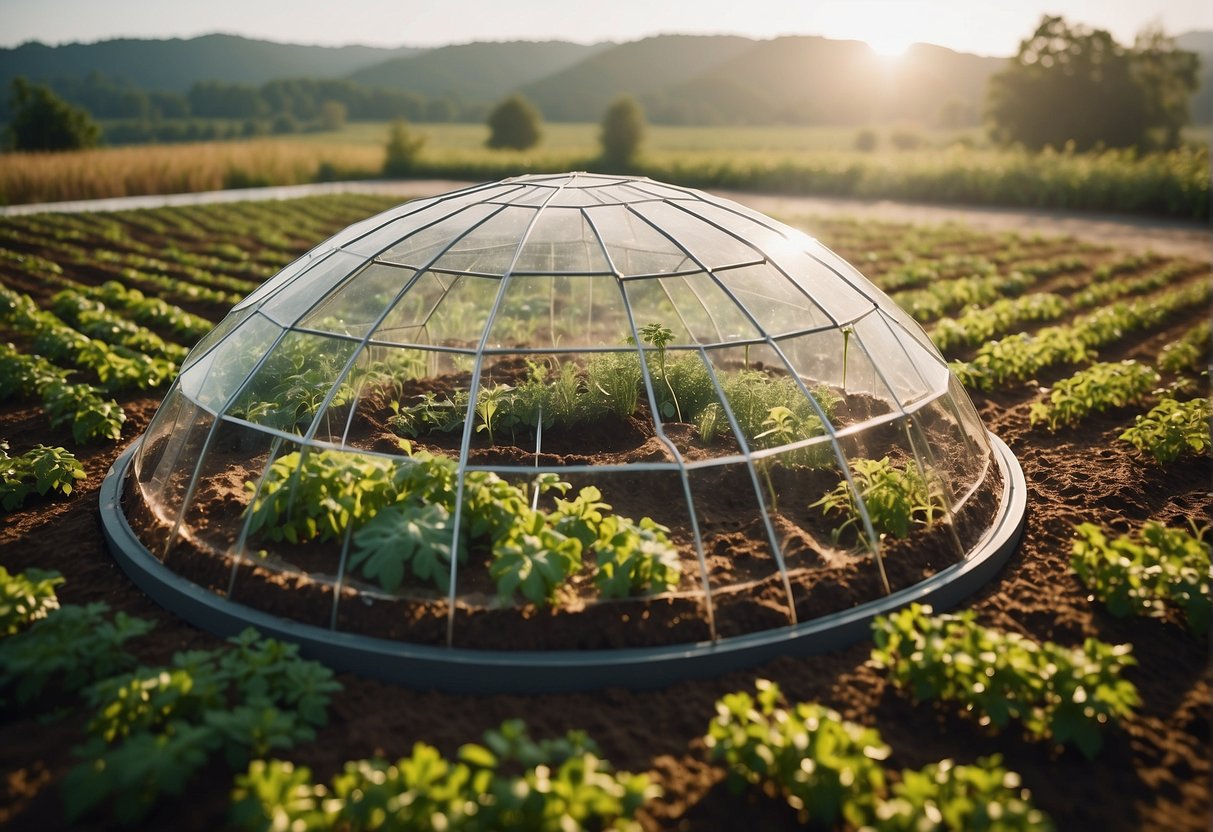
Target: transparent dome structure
(557, 432)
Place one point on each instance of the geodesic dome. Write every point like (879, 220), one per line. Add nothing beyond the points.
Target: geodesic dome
(558, 432)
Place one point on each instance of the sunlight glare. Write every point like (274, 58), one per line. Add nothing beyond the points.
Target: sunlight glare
(889, 44)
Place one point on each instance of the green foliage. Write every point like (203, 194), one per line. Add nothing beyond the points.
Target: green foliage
(1190, 352)
(26, 597)
(41, 470)
(41, 120)
(405, 534)
(1142, 574)
(615, 377)
(509, 782)
(1061, 694)
(979, 323)
(155, 728)
(535, 559)
(983, 797)
(622, 132)
(1171, 428)
(828, 769)
(514, 124)
(68, 650)
(1060, 89)
(824, 766)
(1097, 388)
(896, 498)
(660, 336)
(403, 148)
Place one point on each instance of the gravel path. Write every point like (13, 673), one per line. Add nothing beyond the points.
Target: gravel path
(1173, 237)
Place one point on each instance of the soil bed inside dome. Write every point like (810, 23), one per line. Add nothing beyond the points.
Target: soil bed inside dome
(748, 594)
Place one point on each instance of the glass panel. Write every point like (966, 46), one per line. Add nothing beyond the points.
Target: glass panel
(552, 312)
(213, 379)
(561, 241)
(230, 321)
(289, 388)
(634, 247)
(441, 309)
(288, 305)
(710, 246)
(489, 248)
(908, 370)
(423, 244)
(775, 302)
(355, 306)
(410, 224)
(705, 310)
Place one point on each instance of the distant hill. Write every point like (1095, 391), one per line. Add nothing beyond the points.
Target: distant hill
(174, 65)
(582, 92)
(475, 71)
(1202, 44)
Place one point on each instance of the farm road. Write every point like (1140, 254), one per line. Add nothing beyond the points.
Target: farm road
(1172, 237)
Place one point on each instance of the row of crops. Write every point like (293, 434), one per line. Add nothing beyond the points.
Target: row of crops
(153, 728)
(99, 310)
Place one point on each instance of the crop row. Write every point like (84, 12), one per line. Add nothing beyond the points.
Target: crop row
(1021, 355)
(78, 406)
(116, 366)
(92, 318)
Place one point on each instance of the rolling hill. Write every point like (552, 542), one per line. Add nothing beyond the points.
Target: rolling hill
(475, 71)
(174, 65)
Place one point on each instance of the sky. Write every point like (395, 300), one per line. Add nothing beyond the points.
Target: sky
(986, 27)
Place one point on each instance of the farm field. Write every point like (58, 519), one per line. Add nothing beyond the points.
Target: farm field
(1040, 328)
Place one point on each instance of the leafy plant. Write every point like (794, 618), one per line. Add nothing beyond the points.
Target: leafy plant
(983, 797)
(1095, 389)
(826, 768)
(1057, 693)
(154, 728)
(1142, 574)
(41, 470)
(616, 377)
(69, 648)
(634, 557)
(660, 336)
(406, 534)
(535, 559)
(1171, 429)
(1190, 352)
(895, 498)
(26, 597)
(509, 782)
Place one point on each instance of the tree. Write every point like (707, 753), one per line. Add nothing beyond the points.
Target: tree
(42, 120)
(403, 147)
(622, 131)
(1076, 84)
(514, 123)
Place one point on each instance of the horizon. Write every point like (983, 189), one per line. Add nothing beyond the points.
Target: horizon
(890, 27)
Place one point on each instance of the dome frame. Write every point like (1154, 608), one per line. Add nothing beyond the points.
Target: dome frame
(464, 281)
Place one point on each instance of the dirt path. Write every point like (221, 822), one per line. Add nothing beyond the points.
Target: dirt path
(1172, 237)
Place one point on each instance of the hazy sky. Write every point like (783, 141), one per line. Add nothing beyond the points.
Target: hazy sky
(983, 26)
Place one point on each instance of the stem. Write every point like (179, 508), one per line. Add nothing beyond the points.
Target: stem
(846, 345)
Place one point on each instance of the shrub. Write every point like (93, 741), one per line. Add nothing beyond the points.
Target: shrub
(514, 124)
(622, 132)
(1171, 428)
(403, 148)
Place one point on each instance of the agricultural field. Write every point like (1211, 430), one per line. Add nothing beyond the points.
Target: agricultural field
(941, 168)
(1073, 692)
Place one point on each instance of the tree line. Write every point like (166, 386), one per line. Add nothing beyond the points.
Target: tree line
(1068, 86)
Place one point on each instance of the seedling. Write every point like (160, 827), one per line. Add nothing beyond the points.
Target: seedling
(659, 336)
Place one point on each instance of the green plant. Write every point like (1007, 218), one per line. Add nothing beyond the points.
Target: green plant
(895, 498)
(155, 727)
(535, 559)
(41, 470)
(509, 782)
(1190, 352)
(406, 534)
(616, 377)
(827, 768)
(983, 797)
(660, 336)
(1144, 573)
(1062, 694)
(634, 557)
(1171, 428)
(403, 148)
(26, 597)
(70, 649)
(1095, 389)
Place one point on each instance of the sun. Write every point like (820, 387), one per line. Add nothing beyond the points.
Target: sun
(889, 44)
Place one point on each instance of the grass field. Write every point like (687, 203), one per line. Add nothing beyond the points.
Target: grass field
(100, 309)
(783, 159)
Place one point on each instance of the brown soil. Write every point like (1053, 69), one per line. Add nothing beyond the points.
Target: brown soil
(299, 581)
(1153, 772)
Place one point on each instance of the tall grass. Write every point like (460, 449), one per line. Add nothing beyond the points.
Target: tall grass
(178, 168)
(1172, 184)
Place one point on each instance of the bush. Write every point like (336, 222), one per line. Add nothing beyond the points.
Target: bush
(403, 148)
(866, 140)
(41, 120)
(622, 132)
(514, 124)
